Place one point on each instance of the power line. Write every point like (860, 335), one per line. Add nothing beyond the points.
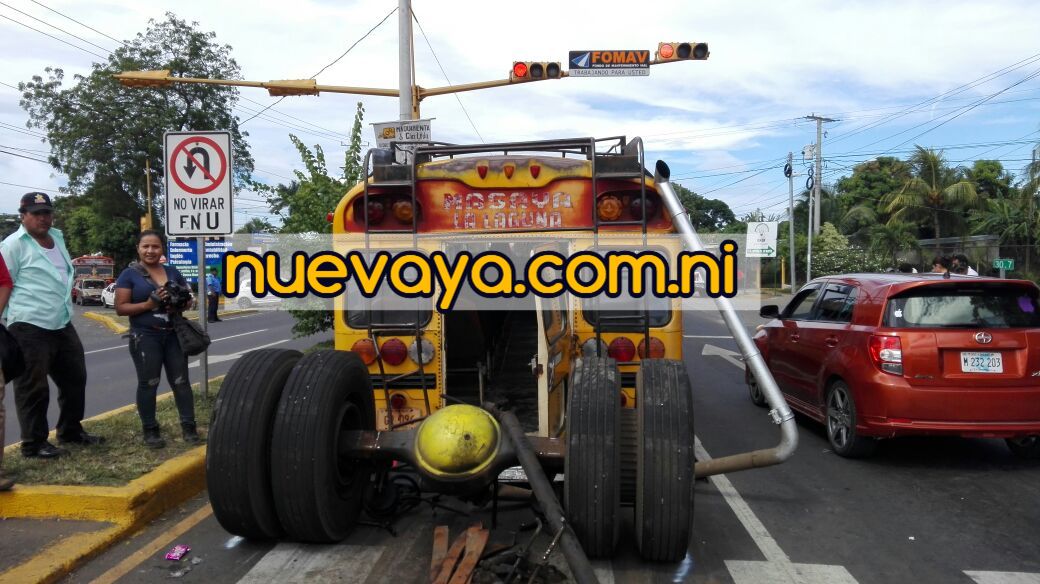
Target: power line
(77, 22)
(53, 37)
(24, 156)
(54, 27)
(32, 188)
(443, 72)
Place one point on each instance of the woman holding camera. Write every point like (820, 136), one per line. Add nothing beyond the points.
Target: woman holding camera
(148, 292)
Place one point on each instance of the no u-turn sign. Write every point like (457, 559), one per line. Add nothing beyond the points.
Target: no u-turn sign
(198, 183)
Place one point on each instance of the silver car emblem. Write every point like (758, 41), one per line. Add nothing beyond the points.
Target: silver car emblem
(983, 338)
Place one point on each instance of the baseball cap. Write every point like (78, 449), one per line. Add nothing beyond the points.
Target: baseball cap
(32, 202)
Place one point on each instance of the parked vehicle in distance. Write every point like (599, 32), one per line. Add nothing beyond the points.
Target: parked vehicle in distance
(247, 297)
(108, 296)
(882, 355)
(88, 291)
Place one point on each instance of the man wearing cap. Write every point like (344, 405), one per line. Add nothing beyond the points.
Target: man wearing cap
(39, 315)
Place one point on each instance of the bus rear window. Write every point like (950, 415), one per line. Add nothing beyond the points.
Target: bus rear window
(977, 306)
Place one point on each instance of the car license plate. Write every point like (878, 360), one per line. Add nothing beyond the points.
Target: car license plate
(400, 416)
(976, 362)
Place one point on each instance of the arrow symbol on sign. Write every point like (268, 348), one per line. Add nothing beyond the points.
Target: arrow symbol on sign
(190, 167)
(768, 249)
(731, 356)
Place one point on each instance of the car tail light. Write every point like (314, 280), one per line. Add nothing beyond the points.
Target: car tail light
(427, 352)
(398, 401)
(656, 349)
(588, 348)
(622, 349)
(609, 208)
(365, 349)
(887, 353)
(393, 351)
(403, 211)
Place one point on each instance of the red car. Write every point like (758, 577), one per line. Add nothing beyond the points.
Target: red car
(882, 355)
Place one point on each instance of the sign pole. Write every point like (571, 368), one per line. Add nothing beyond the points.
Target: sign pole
(1002, 273)
(200, 242)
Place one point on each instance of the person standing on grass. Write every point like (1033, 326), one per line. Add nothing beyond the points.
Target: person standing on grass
(6, 285)
(212, 294)
(39, 315)
(142, 295)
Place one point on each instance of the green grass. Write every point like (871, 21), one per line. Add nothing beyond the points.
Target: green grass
(323, 345)
(122, 458)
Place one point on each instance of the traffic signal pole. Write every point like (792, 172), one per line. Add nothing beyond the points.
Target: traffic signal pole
(405, 81)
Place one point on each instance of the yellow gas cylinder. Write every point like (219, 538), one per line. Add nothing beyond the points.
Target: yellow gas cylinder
(457, 441)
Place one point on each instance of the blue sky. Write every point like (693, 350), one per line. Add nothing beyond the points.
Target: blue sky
(724, 125)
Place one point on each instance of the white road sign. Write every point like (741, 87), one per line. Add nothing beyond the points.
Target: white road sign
(198, 183)
(403, 131)
(761, 240)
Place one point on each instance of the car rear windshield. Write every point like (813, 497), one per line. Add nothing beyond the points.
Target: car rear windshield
(976, 306)
(98, 284)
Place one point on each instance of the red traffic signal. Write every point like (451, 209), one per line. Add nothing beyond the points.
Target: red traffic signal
(667, 52)
(535, 70)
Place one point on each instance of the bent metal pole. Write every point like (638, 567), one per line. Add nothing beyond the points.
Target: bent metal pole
(780, 412)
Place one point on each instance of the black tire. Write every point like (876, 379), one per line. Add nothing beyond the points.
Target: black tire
(628, 455)
(318, 493)
(243, 302)
(841, 424)
(755, 390)
(238, 457)
(1027, 447)
(590, 490)
(664, 473)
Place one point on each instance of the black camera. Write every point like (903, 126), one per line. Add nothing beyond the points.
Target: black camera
(178, 298)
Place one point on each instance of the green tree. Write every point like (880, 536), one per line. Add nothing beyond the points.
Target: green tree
(1016, 221)
(832, 254)
(304, 204)
(100, 133)
(888, 239)
(936, 192)
(860, 194)
(990, 178)
(256, 225)
(706, 215)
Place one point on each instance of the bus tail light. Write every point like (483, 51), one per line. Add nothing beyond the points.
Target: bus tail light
(482, 170)
(622, 349)
(887, 353)
(376, 212)
(403, 211)
(508, 170)
(608, 208)
(535, 170)
(365, 349)
(330, 216)
(656, 349)
(393, 352)
(426, 355)
(398, 401)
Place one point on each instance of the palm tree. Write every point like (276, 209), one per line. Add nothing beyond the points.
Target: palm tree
(1016, 220)
(891, 238)
(936, 192)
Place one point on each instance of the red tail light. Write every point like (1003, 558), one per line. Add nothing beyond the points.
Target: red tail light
(656, 349)
(398, 401)
(621, 349)
(365, 349)
(393, 352)
(376, 212)
(330, 216)
(535, 170)
(482, 170)
(508, 170)
(887, 353)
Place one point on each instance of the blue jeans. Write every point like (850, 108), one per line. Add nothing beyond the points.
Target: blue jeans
(151, 351)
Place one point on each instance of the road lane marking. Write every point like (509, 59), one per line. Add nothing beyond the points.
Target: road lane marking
(144, 553)
(213, 359)
(730, 356)
(214, 340)
(778, 567)
(1003, 577)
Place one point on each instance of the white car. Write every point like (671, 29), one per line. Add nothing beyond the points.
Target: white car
(246, 298)
(108, 296)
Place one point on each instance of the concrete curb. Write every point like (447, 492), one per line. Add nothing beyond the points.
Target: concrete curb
(129, 508)
(121, 329)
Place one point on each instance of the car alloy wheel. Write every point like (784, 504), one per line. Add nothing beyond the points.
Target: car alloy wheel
(841, 424)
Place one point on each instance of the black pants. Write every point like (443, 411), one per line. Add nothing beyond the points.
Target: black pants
(57, 353)
(211, 306)
(153, 351)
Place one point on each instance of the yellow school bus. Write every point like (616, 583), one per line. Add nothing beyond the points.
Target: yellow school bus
(588, 386)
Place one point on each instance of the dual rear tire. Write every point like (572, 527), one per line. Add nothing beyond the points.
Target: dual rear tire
(274, 465)
(642, 456)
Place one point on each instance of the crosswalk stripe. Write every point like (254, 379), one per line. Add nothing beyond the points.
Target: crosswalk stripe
(294, 562)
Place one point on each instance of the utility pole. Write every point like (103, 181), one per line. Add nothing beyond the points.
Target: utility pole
(146, 221)
(405, 83)
(789, 172)
(818, 177)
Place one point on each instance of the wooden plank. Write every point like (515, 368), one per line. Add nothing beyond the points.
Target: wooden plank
(440, 549)
(476, 539)
(452, 558)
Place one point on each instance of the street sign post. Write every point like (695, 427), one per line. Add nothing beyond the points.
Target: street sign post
(761, 239)
(198, 183)
(609, 64)
(403, 131)
(1004, 265)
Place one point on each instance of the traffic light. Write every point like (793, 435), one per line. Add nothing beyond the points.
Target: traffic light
(668, 52)
(535, 71)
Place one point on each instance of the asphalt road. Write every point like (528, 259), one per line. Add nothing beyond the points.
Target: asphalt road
(112, 382)
(928, 511)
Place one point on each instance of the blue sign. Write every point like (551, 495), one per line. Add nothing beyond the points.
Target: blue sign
(183, 255)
